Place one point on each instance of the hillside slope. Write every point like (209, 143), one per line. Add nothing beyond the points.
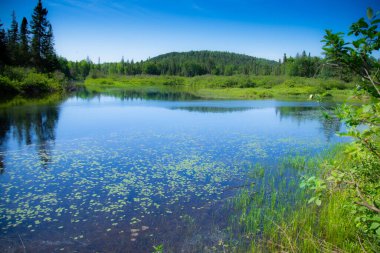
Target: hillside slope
(209, 62)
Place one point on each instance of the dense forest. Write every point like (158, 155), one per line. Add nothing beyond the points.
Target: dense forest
(196, 63)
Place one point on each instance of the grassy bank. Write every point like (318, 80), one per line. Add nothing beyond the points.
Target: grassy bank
(285, 218)
(228, 87)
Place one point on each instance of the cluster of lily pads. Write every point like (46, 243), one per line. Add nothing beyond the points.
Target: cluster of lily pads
(122, 177)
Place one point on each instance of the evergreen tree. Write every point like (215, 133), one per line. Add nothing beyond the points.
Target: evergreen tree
(13, 40)
(24, 43)
(48, 52)
(42, 36)
(3, 46)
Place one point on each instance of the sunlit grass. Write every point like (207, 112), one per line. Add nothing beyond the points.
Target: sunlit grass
(273, 220)
(229, 87)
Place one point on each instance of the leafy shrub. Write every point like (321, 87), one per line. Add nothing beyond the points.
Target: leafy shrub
(107, 82)
(15, 73)
(8, 87)
(247, 83)
(35, 83)
(174, 82)
(229, 83)
(290, 83)
(335, 84)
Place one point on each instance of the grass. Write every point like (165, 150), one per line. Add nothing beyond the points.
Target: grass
(275, 217)
(228, 87)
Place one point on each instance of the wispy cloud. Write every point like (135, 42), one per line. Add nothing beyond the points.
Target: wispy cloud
(120, 8)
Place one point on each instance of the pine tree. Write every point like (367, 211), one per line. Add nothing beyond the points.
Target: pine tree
(24, 43)
(49, 56)
(3, 46)
(42, 36)
(13, 40)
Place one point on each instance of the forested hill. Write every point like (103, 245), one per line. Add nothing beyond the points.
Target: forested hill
(209, 62)
(195, 63)
(224, 58)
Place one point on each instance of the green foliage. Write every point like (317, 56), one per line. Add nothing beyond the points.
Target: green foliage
(223, 87)
(3, 46)
(17, 80)
(174, 81)
(196, 63)
(8, 87)
(158, 248)
(357, 56)
(35, 83)
(275, 220)
(24, 54)
(42, 48)
(318, 188)
(17, 49)
(343, 187)
(358, 171)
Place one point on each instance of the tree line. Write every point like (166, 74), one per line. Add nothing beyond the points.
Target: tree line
(195, 63)
(31, 45)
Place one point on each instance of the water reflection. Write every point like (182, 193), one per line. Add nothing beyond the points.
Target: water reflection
(329, 125)
(27, 125)
(36, 124)
(146, 94)
(207, 109)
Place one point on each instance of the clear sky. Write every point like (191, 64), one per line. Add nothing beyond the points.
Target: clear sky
(138, 29)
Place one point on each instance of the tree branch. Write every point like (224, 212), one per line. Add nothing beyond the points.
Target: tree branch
(364, 201)
(372, 82)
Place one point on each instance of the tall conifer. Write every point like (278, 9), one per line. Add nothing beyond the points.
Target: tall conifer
(24, 43)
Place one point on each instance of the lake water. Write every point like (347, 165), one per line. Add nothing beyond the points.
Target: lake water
(123, 174)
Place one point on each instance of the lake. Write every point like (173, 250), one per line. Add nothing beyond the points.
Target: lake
(105, 173)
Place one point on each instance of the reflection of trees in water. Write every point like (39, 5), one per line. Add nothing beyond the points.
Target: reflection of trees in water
(29, 125)
(4, 129)
(208, 109)
(330, 126)
(148, 94)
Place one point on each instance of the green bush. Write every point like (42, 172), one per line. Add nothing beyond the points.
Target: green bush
(18, 80)
(290, 83)
(15, 73)
(8, 87)
(246, 83)
(229, 83)
(36, 83)
(174, 82)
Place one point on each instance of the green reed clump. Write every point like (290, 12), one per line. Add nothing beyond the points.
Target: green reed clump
(274, 215)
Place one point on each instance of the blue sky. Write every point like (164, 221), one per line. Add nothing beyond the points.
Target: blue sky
(138, 29)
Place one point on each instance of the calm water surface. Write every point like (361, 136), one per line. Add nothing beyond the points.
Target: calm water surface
(109, 174)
